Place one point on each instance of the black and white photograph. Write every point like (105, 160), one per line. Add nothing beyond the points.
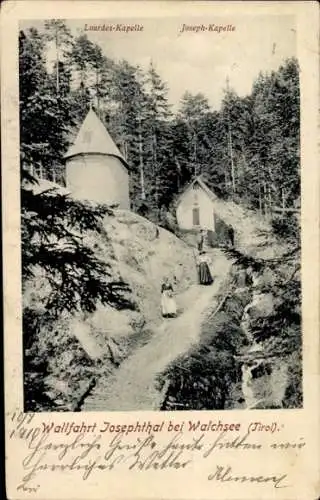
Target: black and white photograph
(160, 214)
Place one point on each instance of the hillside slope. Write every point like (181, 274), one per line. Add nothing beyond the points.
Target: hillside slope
(111, 359)
(81, 347)
(134, 385)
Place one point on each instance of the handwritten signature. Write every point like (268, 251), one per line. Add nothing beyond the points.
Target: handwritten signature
(225, 474)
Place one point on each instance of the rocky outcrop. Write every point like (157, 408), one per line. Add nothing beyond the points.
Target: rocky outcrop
(230, 368)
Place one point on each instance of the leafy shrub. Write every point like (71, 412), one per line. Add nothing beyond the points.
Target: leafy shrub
(204, 377)
(54, 251)
(294, 392)
(286, 227)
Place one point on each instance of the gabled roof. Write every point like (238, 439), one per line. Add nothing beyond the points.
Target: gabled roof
(93, 137)
(199, 180)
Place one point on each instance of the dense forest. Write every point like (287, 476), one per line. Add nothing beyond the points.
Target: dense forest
(248, 151)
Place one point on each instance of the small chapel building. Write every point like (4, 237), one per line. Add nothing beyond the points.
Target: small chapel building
(95, 168)
(195, 207)
(199, 208)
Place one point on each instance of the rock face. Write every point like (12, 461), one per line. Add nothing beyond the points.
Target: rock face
(241, 278)
(80, 347)
(254, 378)
(144, 255)
(264, 383)
(262, 305)
(134, 385)
(264, 373)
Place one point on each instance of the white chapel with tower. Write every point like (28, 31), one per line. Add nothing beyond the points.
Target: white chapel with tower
(95, 168)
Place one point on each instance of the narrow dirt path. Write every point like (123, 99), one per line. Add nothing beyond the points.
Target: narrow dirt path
(132, 386)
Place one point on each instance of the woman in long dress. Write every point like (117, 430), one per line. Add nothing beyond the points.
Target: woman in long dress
(205, 277)
(168, 303)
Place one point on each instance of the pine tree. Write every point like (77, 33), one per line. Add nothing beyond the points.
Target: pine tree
(125, 112)
(193, 112)
(58, 33)
(54, 250)
(230, 112)
(32, 77)
(53, 225)
(276, 135)
(157, 138)
(81, 56)
(45, 115)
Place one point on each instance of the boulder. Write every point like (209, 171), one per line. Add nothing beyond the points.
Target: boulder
(262, 305)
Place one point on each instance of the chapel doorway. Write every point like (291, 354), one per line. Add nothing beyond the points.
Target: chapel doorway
(196, 216)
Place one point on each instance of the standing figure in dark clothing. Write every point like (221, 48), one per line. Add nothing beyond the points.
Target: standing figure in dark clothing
(200, 240)
(205, 277)
(231, 236)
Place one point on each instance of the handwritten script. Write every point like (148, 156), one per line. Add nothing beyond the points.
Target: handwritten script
(87, 450)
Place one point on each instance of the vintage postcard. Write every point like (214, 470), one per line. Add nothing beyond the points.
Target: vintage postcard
(161, 249)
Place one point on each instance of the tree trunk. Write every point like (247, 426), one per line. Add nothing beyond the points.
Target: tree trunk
(54, 174)
(125, 149)
(231, 160)
(260, 200)
(155, 169)
(283, 199)
(270, 198)
(97, 91)
(142, 186)
(226, 179)
(230, 144)
(265, 198)
(57, 61)
(195, 159)
(178, 173)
